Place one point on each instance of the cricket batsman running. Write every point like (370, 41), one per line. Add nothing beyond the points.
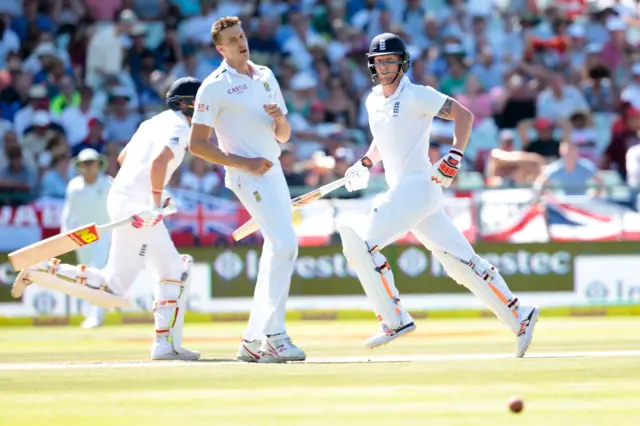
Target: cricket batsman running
(400, 117)
(148, 161)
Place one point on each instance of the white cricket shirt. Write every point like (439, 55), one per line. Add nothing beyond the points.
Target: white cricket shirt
(85, 202)
(167, 129)
(233, 104)
(401, 125)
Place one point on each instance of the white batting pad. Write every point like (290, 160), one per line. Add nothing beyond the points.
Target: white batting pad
(485, 282)
(65, 285)
(379, 286)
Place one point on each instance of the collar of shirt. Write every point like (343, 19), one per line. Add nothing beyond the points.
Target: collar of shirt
(252, 66)
(403, 83)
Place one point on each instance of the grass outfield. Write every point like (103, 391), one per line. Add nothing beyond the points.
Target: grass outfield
(579, 371)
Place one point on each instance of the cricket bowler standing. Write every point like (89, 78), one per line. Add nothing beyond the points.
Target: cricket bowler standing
(243, 103)
(400, 117)
(148, 161)
(86, 202)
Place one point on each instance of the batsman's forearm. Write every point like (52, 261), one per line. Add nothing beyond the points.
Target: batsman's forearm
(157, 179)
(282, 131)
(208, 151)
(372, 153)
(462, 131)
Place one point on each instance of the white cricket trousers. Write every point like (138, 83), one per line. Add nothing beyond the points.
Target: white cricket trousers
(135, 249)
(268, 200)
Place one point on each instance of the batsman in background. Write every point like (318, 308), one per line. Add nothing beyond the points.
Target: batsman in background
(400, 117)
(86, 202)
(148, 161)
(243, 102)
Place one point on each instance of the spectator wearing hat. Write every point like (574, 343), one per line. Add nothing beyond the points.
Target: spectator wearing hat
(86, 202)
(121, 123)
(95, 138)
(38, 101)
(43, 58)
(105, 53)
(54, 180)
(613, 51)
(40, 133)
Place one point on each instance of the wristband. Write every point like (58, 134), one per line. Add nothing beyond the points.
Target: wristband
(156, 191)
(455, 151)
(365, 161)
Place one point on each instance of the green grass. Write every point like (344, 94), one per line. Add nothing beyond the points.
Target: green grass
(434, 390)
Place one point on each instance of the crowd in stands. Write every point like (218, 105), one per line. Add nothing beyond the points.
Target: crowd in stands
(536, 74)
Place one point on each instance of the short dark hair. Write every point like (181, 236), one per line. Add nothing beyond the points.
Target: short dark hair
(222, 24)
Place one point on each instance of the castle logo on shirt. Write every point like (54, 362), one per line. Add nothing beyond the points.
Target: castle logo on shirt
(266, 86)
(257, 196)
(237, 89)
(396, 109)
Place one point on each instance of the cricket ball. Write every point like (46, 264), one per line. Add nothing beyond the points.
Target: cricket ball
(516, 405)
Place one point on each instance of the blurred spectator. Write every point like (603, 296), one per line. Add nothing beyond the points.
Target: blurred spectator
(622, 140)
(192, 65)
(74, 119)
(15, 177)
(599, 91)
(516, 103)
(112, 151)
(5, 125)
(571, 174)
(10, 142)
(35, 19)
(303, 36)
(506, 167)
(40, 133)
(545, 144)
(488, 70)
(55, 180)
(9, 41)
(169, 51)
(477, 100)
(315, 133)
(94, 138)
(263, 45)
(103, 10)
(583, 135)
(138, 49)
(631, 93)
(453, 84)
(121, 123)
(339, 106)
(105, 53)
(200, 177)
(613, 51)
(68, 96)
(288, 161)
(38, 101)
(559, 100)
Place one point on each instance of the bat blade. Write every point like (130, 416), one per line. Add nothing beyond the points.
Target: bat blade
(54, 246)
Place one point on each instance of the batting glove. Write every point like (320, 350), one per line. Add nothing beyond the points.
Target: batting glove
(358, 175)
(147, 218)
(446, 168)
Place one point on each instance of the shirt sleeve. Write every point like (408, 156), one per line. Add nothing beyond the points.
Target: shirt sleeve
(277, 96)
(205, 107)
(430, 100)
(177, 139)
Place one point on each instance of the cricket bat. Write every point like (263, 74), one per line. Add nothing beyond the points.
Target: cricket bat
(251, 225)
(66, 242)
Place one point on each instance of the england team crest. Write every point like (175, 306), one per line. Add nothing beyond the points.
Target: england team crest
(266, 86)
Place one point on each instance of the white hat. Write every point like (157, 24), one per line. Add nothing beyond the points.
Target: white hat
(38, 91)
(303, 81)
(41, 118)
(594, 48)
(90, 154)
(453, 49)
(46, 48)
(614, 23)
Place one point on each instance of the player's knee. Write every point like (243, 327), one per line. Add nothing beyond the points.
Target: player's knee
(286, 246)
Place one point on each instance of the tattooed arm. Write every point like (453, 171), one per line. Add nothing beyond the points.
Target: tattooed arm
(463, 122)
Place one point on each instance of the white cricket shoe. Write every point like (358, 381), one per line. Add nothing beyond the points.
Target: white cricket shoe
(279, 348)
(91, 322)
(528, 320)
(386, 335)
(249, 351)
(163, 351)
